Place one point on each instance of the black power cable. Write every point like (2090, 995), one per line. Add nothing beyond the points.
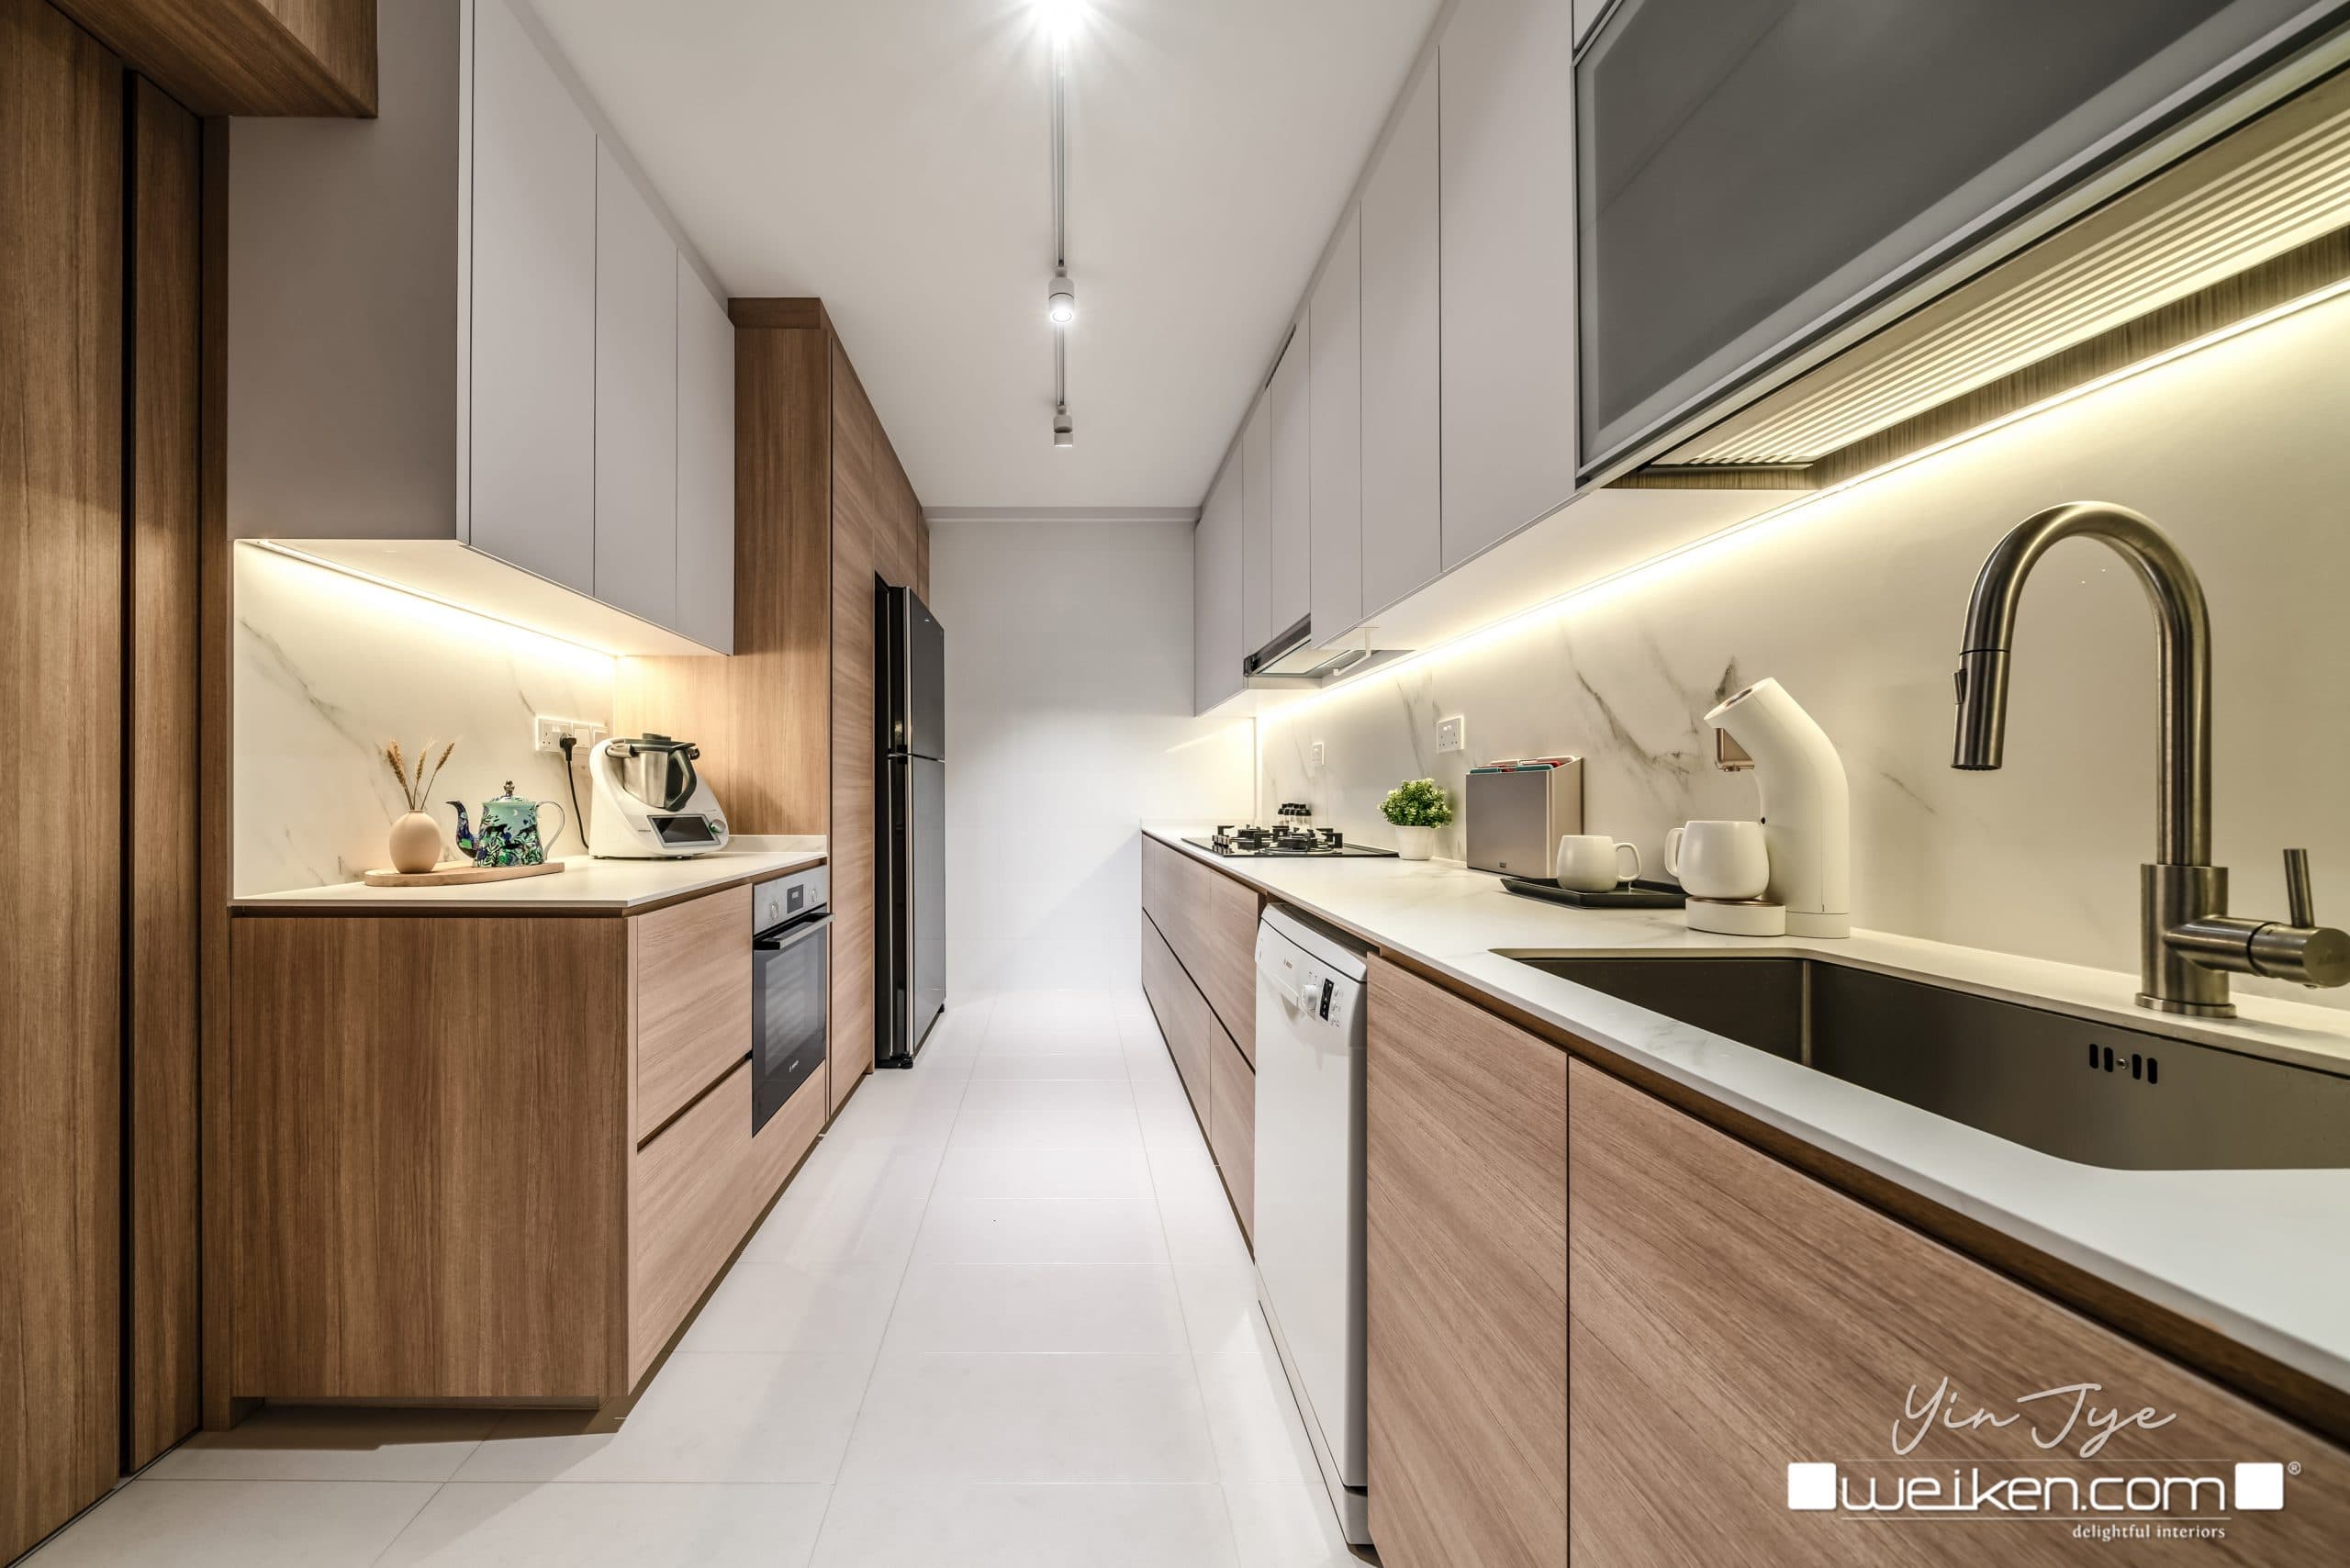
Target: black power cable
(567, 742)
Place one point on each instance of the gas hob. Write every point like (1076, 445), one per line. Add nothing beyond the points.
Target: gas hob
(1247, 841)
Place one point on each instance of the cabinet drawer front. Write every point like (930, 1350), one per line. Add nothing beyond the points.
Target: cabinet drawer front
(1232, 1127)
(1465, 1258)
(1210, 921)
(1183, 1016)
(1732, 1316)
(693, 1001)
(686, 1209)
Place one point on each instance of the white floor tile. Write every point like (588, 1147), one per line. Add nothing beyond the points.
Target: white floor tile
(636, 1525)
(292, 1442)
(1102, 1042)
(1165, 1128)
(1010, 1525)
(1001, 1308)
(971, 1175)
(1047, 1129)
(1179, 1170)
(769, 1308)
(1045, 1011)
(1259, 1437)
(706, 1419)
(1287, 1526)
(1220, 1310)
(1202, 1229)
(1031, 1417)
(1109, 1066)
(1160, 1093)
(1048, 1094)
(238, 1524)
(1046, 1230)
(861, 1200)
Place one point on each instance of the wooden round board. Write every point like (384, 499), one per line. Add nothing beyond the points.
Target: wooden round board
(449, 873)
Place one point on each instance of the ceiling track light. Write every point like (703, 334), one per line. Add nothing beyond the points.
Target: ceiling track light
(1064, 428)
(1061, 294)
(1060, 299)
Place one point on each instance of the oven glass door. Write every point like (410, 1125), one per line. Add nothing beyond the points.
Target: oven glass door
(791, 983)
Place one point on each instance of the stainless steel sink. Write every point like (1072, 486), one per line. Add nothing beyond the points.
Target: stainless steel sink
(2099, 1093)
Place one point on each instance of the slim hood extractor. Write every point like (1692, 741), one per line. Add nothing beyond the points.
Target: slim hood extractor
(1294, 662)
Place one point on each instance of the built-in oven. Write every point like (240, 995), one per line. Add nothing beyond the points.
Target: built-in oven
(792, 985)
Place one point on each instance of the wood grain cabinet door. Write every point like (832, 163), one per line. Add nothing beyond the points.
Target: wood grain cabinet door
(1183, 1018)
(1731, 1317)
(693, 1001)
(1210, 921)
(1465, 1151)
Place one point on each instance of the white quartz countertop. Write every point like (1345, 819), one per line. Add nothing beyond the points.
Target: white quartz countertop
(584, 884)
(2257, 1255)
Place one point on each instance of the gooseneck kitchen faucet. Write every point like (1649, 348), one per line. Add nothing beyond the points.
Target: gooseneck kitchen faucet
(2188, 942)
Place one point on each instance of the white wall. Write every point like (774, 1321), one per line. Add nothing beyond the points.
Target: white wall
(329, 667)
(1854, 601)
(1069, 723)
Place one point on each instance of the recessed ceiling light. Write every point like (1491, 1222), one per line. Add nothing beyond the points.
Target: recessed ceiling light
(1061, 299)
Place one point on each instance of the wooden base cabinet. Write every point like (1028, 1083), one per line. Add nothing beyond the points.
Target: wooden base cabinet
(494, 1158)
(1465, 1152)
(1199, 969)
(1732, 1316)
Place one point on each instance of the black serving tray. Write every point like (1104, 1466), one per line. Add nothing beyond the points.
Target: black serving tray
(1641, 894)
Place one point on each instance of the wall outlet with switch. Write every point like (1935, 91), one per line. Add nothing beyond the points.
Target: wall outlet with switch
(1452, 734)
(547, 733)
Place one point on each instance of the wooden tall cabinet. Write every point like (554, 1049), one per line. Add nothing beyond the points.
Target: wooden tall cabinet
(823, 512)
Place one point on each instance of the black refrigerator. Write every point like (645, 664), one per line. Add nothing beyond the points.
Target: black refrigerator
(910, 945)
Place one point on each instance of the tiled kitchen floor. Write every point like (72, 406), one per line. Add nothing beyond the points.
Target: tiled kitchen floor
(1003, 1317)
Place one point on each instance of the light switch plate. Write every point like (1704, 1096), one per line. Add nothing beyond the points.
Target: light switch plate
(1318, 754)
(1451, 734)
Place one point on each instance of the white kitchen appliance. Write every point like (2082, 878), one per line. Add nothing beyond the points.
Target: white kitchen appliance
(649, 803)
(1309, 1200)
(1807, 807)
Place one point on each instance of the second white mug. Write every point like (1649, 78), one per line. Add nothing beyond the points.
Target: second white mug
(1593, 862)
(1719, 860)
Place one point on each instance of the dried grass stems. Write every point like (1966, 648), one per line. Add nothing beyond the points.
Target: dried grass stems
(416, 784)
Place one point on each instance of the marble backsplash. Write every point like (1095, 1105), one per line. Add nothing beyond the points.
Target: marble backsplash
(329, 666)
(1854, 601)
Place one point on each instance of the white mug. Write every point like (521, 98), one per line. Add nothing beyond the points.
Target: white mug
(1719, 860)
(1593, 862)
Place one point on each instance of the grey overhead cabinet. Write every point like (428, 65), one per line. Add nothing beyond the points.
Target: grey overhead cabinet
(1287, 397)
(1216, 613)
(636, 401)
(1334, 418)
(1402, 479)
(467, 354)
(1507, 297)
(1256, 527)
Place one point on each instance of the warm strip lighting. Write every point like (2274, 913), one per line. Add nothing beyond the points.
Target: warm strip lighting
(440, 616)
(2151, 253)
(1656, 567)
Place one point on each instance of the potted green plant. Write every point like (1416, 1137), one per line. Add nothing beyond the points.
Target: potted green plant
(1417, 807)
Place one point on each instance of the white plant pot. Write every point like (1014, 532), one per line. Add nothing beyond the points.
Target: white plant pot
(1414, 843)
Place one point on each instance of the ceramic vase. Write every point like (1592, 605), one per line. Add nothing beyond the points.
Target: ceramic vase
(416, 843)
(1414, 843)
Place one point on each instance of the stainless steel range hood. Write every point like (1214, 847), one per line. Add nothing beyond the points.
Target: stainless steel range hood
(1294, 661)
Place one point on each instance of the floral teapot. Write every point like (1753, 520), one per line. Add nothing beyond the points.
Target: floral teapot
(510, 831)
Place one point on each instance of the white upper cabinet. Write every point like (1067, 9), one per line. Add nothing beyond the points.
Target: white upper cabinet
(636, 400)
(1216, 638)
(1257, 526)
(1508, 289)
(1334, 486)
(1289, 396)
(705, 464)
(1402, 482)
(530, 496)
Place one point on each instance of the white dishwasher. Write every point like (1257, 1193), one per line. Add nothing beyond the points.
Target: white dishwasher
(1309, 1225)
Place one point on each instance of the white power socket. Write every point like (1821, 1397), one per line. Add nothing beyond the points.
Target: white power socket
(1318, 754)
(1451, 734)
(547, 733)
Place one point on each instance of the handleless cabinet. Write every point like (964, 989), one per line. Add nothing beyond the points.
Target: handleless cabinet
(1401, 458)
(636, 400)
(530, 496)
(1333, 443)
(1506, 292)
(1256, 527)
(1289, 402)
(1217, 632)
(705, 463)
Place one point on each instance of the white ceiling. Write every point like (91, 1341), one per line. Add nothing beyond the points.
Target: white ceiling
(893, 157)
